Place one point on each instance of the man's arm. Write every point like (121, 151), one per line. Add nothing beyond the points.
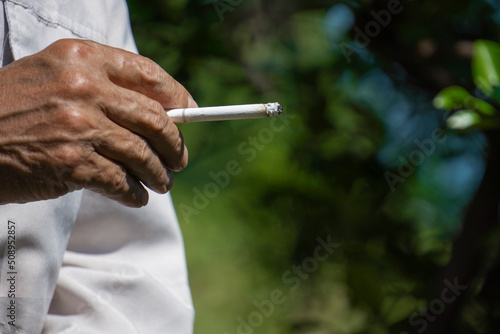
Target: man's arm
(79, 114)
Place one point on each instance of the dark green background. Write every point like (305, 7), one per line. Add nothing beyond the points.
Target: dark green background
(322, 171)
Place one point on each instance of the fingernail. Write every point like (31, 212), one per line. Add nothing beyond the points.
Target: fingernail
(170, 180)
(144, 198)
(192, 103)
(186, 156)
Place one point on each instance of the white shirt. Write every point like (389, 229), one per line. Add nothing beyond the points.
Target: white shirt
(83, 263)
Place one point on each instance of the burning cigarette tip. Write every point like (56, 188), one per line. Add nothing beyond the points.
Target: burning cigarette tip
(274, 109)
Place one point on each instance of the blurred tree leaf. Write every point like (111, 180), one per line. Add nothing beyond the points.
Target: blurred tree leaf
(464, 120)
(486, 67)
(457, 98)
(471, 112)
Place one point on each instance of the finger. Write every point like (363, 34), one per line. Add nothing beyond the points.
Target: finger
(143, 75)
(135, 154)
(147, 118)
(108, 178)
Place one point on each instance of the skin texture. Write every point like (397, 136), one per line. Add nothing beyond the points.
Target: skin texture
(79, 114)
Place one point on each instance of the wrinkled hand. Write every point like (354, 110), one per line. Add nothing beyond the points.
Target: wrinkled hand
(83, 115)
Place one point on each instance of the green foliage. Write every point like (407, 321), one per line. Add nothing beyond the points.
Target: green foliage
(470, 112)
(457, 98)
(320, 171)
(486, 67)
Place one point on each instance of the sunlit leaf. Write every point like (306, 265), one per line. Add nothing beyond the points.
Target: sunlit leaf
(456, 98)
(486, 65)
(451, 98)
(463, 120)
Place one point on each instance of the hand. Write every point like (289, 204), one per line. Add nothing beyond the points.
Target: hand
(78, 115)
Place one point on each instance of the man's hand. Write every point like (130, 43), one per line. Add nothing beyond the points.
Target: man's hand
(83, 115)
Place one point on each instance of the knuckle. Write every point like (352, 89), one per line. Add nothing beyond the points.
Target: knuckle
(144, 153)
(73, 119)
(118, 179)
(155, 118)
(81, 177)
(121, 62)
(156, 175)
(152, 73)
(68, 156)
(73, 49)
(73, 68)
(76, 82)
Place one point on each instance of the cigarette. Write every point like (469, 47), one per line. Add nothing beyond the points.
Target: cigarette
(206, 114)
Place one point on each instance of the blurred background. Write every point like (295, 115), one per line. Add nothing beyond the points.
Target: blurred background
(357, 211)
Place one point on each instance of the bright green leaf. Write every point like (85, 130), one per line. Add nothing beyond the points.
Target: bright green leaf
(456, 98)
(486, 65)
(451, 98)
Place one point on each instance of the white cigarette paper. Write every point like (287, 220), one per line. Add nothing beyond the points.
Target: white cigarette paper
(205, 114)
